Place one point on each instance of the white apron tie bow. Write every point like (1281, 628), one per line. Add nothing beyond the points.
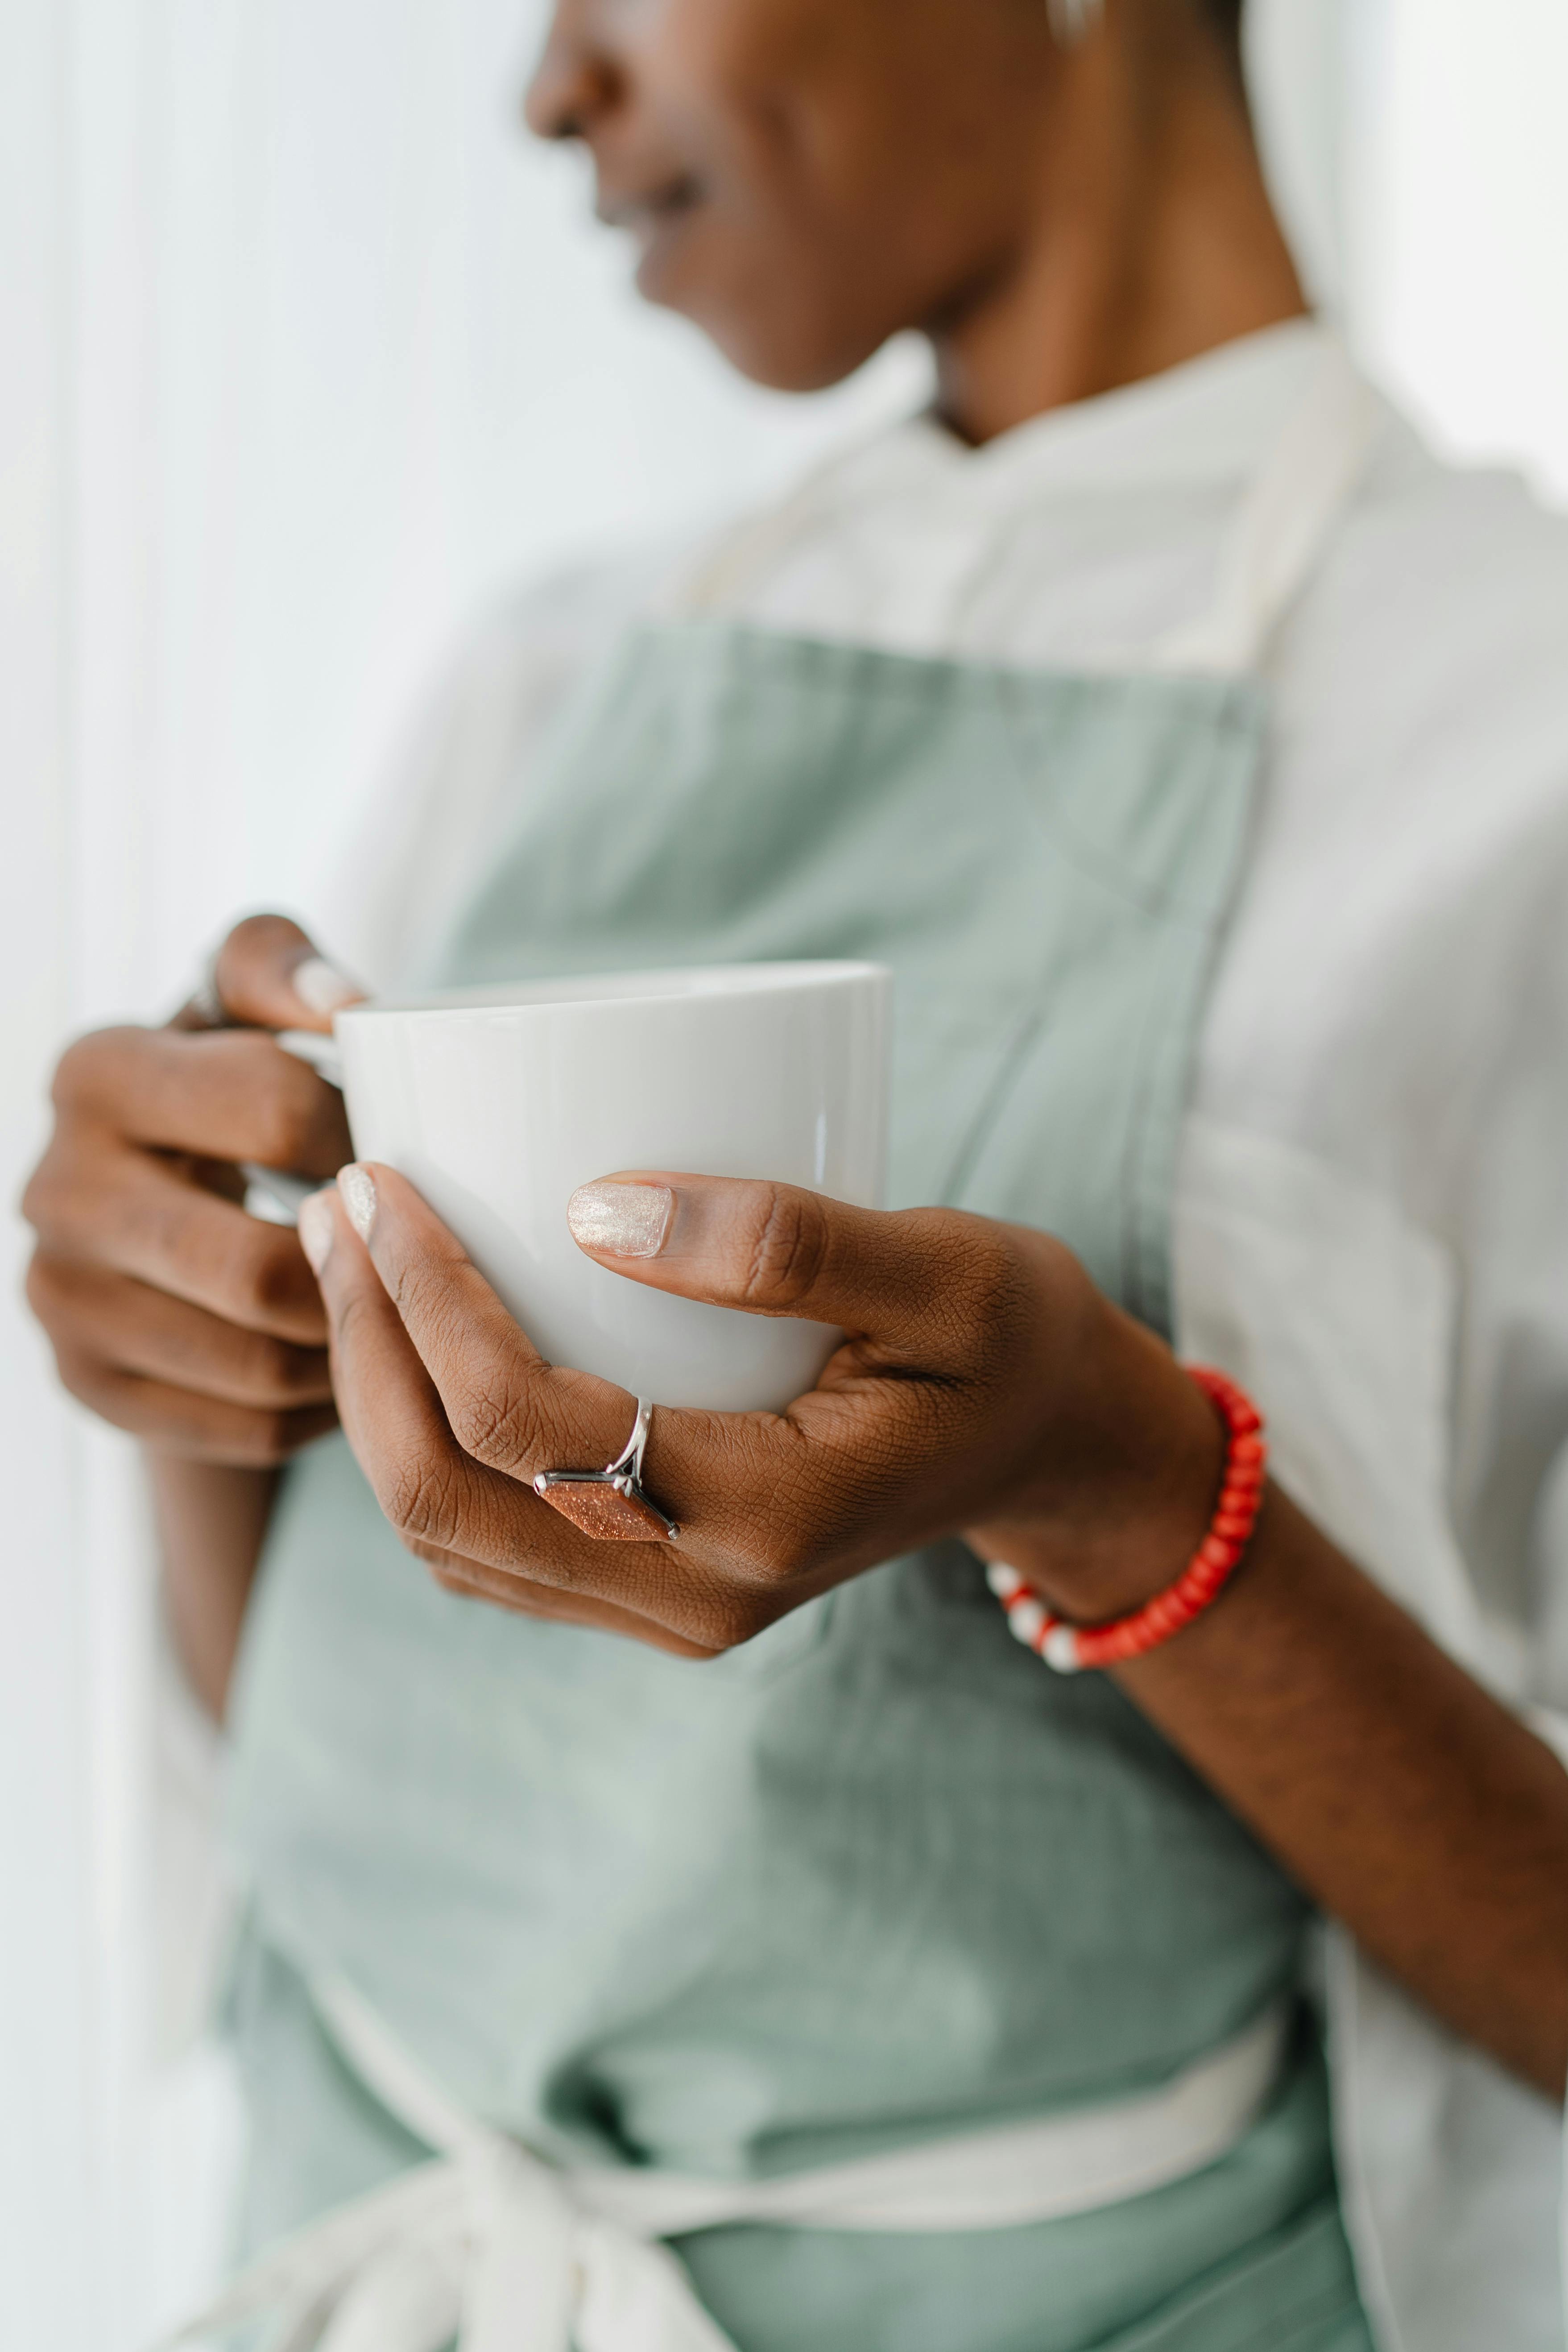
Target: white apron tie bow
(491, 2246)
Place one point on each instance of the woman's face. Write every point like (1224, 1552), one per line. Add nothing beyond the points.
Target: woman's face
(807, 177)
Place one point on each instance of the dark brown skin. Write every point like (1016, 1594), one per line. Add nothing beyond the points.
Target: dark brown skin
(807, 177)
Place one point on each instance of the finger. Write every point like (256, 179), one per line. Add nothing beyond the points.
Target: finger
(553, 1604)
(505, 1404)
(94, 1311)
(433, 1492)
(229, 1094)
(202, 1428)
(775, 1249)
(271, 972)
(128, 1213)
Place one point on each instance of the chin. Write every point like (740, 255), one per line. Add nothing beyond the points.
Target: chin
(761, 359)
(783, 346)
(790, 328)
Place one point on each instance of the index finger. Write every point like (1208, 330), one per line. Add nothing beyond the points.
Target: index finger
(271, 974)
(228, 1094)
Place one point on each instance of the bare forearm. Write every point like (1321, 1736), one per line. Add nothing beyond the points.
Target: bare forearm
(211, 1521)
(1403, 1797)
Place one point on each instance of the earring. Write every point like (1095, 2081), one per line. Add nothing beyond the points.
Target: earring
(1072, 21)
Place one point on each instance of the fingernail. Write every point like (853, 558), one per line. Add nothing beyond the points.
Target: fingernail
(621, 1219)
(321, 986)
(357, 1186)
(316, 1227)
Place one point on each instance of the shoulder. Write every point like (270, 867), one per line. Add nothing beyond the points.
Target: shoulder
(1420, 759)
(543, 634)
(1437, 634)
(1396, 983)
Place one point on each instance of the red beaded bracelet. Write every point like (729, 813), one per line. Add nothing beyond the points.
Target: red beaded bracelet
(1071, 1648)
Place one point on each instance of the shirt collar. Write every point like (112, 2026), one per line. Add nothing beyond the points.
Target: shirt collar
(1209, 422)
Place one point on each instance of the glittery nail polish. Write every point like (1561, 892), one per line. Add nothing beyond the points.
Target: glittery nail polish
(621, 1219)
(358, 1188)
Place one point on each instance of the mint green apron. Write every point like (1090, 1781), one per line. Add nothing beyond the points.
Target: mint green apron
(876, 1876)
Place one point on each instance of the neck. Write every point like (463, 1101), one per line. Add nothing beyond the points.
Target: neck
(1150, 239)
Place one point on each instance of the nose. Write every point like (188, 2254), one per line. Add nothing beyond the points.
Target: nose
(575, 81)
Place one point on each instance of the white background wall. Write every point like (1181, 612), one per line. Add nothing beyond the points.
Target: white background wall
(1456, 188)
(387, 365)
(306, 354)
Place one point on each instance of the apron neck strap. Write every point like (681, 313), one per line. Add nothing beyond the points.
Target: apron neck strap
(1285, 518)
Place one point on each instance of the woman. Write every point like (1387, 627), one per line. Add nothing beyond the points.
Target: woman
(915, 1995)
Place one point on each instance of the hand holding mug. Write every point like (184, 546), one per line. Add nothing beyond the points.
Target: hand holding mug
(172, 1312)
(983, 1385)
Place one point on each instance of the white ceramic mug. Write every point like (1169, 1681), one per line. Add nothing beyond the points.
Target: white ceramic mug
(497, 1103)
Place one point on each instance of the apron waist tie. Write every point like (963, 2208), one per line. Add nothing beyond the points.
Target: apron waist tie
(491, 2245)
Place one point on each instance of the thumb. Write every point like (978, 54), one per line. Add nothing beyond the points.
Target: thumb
(771, 1249)
(269, 974)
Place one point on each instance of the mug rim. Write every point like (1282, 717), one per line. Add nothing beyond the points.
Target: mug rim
(691, 985)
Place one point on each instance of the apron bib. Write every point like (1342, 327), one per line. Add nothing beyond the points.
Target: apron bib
(873, 1878)
(1044, 863)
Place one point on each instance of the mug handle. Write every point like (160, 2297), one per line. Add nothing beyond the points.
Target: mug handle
(324, 1053)
(281, 1195)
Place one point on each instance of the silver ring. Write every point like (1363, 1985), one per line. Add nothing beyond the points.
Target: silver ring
(611, 1504)
(629, 1459)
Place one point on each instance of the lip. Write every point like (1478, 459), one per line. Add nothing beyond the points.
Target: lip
(646, 212)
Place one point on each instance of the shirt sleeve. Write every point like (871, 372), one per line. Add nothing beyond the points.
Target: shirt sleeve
(1408, 1340)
